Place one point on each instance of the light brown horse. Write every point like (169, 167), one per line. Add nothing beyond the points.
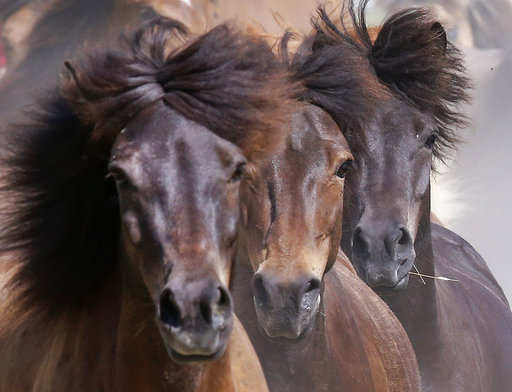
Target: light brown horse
(314, 324)
(120, 214)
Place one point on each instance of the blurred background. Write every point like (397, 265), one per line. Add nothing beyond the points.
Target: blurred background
(471, 195)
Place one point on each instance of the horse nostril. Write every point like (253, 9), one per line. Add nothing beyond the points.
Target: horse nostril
(405, 237)
(360, 245)
(216, 306)
(260, 292)
(309, 294)
(312, 285)
(206, 311)
(169, 311)
(224, 299)
(398, 245)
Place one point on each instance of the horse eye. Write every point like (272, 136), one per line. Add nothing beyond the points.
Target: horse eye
(239, 171)
(118, 175)
(344, 168)
(431, 140)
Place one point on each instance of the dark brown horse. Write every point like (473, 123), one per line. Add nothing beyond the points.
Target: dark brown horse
(120, 207)
(412, 80)
(314, 324)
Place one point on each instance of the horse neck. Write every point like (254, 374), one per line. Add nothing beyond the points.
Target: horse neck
(416, 306)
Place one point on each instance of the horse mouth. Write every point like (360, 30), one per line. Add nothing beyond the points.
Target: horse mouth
(186, 358)
(284, 340)
(278, 328)
(384, 291)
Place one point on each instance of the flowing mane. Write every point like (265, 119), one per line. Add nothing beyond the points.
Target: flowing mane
(341, 57)
(60, 220)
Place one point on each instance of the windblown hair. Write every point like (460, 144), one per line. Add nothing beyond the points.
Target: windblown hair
(59, 212)
(410, 58)
(333, 75)
(489, 20)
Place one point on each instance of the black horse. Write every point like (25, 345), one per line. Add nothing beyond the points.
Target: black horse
(411, 80)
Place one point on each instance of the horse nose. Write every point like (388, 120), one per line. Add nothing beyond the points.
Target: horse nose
(211, 308)
(285, 309)
(303, 293)
(398, 244)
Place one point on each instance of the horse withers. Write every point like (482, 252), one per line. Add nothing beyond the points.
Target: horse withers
(120, 214)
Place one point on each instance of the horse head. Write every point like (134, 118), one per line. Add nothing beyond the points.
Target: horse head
(178, 190)
(291, 223)
(182, 125)
(405, 87)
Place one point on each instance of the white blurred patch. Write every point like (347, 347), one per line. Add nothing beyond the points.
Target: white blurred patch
(448, 198)
(187, 2)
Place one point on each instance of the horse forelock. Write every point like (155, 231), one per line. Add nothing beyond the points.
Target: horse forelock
(413, 59)
(225, 80)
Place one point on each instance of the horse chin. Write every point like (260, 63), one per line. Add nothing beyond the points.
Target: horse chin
(186, 346)
(286, 336)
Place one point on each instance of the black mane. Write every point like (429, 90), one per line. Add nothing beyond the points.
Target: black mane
(409, 58)
(58, 211)
(222, 80)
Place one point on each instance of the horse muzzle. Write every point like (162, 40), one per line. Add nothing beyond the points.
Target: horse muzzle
(286, 311)
(195, 328)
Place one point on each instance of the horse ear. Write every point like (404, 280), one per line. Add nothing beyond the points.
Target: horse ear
(77, 95)
(440, 35)
(76, 81)
(410, 50)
